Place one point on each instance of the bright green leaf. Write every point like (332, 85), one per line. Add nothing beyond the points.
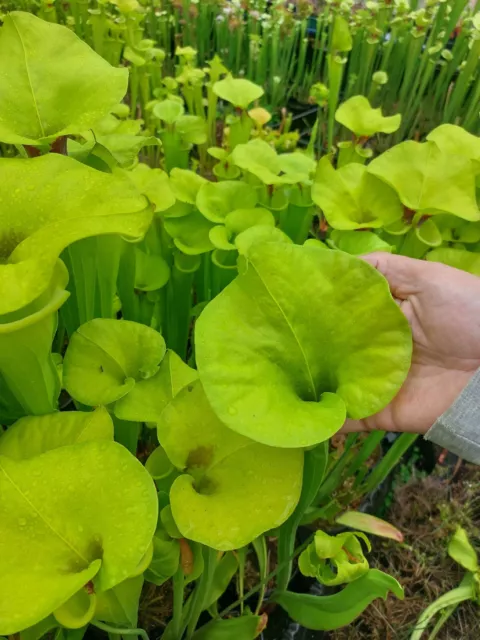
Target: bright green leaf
(341, 37)
(125, 148)
(238, 91)
(190, 233)
(226, 475)
(36, 225)
(242, 219)
(454, 140)
(325, 613)
(191, 129)
(280, 360)
(428, 232)
(151, 271)
(168, 111)
(105, 358)
(120, 604)
(148, 398)
(359, 116)
(166, 557)
(358, 243)
(33, 435)
(215, 200)
(220, 238)
(457, 258)
(352, 198)
(77, 611)
(428, 179)
(52, 84)
(155, 184)
(461, 550)
(59, 526)
(185, 185)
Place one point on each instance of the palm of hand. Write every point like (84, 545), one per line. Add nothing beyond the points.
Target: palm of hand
(442, 306)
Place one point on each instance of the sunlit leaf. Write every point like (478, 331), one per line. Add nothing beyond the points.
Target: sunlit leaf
(352, 198)
(59, 526)
(359, 116)
(225, 476)
(429, 180)
(33, 435)
(238, 91)
(52, 83)
(105, 359)
(295, 363)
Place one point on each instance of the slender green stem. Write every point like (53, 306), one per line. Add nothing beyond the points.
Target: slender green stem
(120, 631)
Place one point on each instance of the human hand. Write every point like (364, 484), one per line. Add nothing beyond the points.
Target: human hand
(442, 305)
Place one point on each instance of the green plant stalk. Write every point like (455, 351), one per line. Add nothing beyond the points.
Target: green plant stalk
(373, 440)
(465, 591)
(98, 22)
(240, 130)
(202, 588)
(335, 73)
(413, 110)
(315, 466)
(127, 433)
(462, 84)
(93, 264)
(413, 55)
(26, 365)
(174, 154)
(444, 616)
(388, 462)
(335, 475)
(453, 18)
(179, 302)
(222, 271)
(260, 546)
(471, 116)
(117, 631)
(265, 581)
(178, 596)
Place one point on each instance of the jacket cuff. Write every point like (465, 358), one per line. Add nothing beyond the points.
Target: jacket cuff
(458, 429)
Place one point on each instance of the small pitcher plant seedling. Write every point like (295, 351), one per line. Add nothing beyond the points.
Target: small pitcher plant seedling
(184, 319)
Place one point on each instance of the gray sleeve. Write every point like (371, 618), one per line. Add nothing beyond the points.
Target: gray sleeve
(458, 429)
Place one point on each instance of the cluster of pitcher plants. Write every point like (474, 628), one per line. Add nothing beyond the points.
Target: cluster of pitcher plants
(185, 323)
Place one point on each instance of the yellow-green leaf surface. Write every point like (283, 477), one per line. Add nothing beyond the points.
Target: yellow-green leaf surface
(33, 435)
(238, 91)
(148, 398)
(455, 140)
(233, 489)
(215, 200)
(429, 179)
(461, 550)
(68, 516)
(106, 357)
(300, 339)
(48, 203)
(358, 115)
(351, 198)
(52, 83)
(457, 258)
(120, 604)
(155, 184)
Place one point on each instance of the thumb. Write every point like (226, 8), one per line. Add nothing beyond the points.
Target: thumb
(404, 275)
